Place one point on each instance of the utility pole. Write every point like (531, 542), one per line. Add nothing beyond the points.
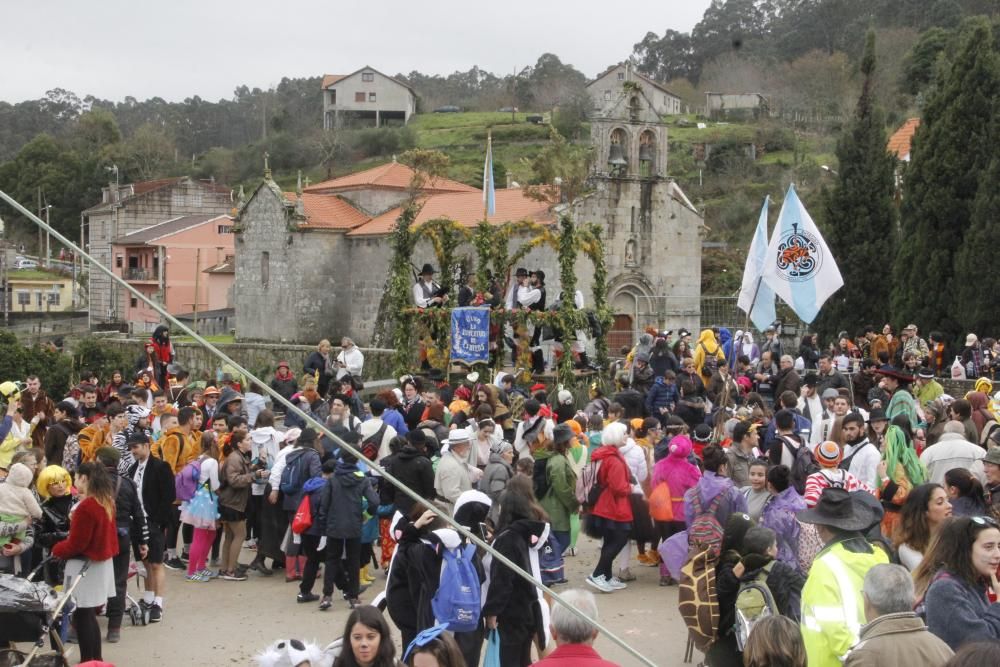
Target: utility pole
(40, 246)
(513, 96)
(197, 284)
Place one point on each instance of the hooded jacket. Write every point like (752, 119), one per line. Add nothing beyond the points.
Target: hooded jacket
(265, 445)
(227, 396)
(833, 609)
(514, 601)
(661, 395)
(286, 386)
(175, 447)
(779, 515)
(705, 347)
(560, 501)
(415, 471)
(678, 472)
(341, 512)
(495, 477)
(708, 487)
(314, 467)
(16, 498)
(614, 502)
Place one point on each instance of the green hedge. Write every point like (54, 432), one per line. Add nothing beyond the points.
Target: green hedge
(52, 367)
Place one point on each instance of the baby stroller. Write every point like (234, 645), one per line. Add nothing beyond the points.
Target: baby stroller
(29, 612)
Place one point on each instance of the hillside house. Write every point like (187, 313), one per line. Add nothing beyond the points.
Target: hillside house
(366, 97)
(736, 105)
(901, 140)
(39, 291)
(608, 88)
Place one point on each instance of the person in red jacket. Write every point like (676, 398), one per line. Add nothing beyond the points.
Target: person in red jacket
(611, 516)
(94, 538)
(574, 636)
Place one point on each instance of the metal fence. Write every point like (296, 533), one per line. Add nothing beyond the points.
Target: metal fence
(694, 313)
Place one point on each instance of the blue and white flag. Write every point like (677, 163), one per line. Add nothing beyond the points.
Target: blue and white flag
(757, 298)
(489, 191)
(470, 334)
(799, 266)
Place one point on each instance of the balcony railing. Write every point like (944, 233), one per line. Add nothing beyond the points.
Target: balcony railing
(132, 273)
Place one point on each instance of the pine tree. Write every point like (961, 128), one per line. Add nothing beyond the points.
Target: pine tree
(860, 214)
(977, 303)
(950, 150)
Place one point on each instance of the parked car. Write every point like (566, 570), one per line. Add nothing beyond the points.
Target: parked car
(508, 109)
(448, 108)
(25, 264)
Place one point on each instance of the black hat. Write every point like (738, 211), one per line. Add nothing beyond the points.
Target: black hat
(683, 332)
(137, 438)
(427, 270)
(562, 433)
(540, 274)
(877, 415)
(435, 374)
(702, 433)
(839, 509)
(925, 374)
(891, 371)
(810, 380)
(521, 272)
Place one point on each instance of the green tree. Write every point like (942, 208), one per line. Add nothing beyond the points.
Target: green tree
(950, 151)
(860, 212)
(977, 307)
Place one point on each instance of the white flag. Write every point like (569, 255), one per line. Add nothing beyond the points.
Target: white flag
(800, 267)
(754, 293)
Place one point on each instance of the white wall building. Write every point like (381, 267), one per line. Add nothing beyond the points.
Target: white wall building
(367, 96)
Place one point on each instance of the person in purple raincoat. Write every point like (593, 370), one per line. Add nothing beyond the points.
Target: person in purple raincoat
(779, 514)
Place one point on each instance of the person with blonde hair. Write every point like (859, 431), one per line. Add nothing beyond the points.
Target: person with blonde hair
(316, 365)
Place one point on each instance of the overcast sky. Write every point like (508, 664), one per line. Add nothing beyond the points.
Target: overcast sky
(178, 48)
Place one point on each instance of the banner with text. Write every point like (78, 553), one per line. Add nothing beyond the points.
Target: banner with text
(470, 335)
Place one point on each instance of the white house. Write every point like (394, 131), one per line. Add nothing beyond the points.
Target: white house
(368, 96)
(608, 88)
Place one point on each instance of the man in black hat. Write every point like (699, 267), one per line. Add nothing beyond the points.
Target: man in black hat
(927, 388)
(426, 292)
(832, 603)
(897, 383)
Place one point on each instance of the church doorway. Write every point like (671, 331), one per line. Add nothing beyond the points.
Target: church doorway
(622, 334)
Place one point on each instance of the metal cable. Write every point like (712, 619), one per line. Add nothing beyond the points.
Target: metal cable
(322, 429)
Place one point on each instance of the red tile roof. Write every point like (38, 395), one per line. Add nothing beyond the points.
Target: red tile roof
(466, 208)
(328, 212)
(899, 142)
(391, 176)
(330, 79)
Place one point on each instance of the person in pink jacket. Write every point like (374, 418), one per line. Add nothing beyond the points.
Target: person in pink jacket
(680, 475)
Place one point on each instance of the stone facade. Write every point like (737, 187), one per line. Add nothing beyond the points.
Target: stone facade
(130, 208)
(605, 89)
(653, 233)
(296, 282)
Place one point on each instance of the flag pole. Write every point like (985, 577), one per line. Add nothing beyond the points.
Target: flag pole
(489, 165)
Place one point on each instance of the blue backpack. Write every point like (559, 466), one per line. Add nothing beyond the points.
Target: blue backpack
(458, 598)
(295, 474)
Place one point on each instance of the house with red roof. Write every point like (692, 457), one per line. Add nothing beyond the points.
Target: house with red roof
(902, 139)
(366, 97)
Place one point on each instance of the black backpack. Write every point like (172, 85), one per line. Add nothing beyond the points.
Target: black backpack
(540, 478)
(803, 464)
(710, 363)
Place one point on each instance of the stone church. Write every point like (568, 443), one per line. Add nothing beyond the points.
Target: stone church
(313, 264)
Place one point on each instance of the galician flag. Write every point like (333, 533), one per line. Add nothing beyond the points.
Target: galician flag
(489, 191)
(799, 266)
(756, 298)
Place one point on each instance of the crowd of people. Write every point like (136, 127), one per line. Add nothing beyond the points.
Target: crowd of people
(848, 507)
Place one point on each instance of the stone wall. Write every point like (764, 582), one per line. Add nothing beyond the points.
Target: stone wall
(259, 358)
(374, 201)
(300, 296)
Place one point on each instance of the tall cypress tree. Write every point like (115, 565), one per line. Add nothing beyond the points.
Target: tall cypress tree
(860, 213)
(976, 303)
(950, 150)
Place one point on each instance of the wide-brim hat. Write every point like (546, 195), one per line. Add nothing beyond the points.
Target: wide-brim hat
(891, 371)
(210, 391)
(683, 332)
(877, 415)
(810, 379)
(925, 374)
(839, 509)
(427, 270)
(562, 433)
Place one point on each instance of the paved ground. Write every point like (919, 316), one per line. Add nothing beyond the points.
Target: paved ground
(225, 623)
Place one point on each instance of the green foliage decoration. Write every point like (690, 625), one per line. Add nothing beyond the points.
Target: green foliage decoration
(18, 361)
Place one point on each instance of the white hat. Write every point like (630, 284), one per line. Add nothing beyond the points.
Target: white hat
(971, 340)
(565, 397)
(472, 377)
(459, 435)
(292, 435)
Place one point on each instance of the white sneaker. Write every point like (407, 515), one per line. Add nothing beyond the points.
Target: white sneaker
(600, 583)
(616, 584)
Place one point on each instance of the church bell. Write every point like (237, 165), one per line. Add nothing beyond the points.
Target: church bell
(646, 153)
(616, 156)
